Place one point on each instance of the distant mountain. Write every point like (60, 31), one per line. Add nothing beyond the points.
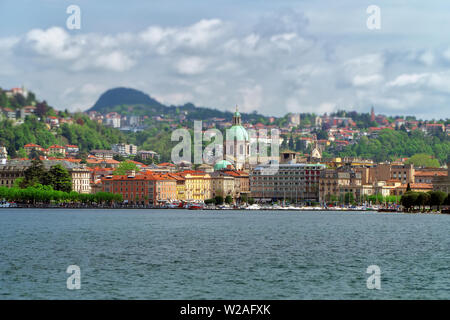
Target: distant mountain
(132, 101)
(123, 96)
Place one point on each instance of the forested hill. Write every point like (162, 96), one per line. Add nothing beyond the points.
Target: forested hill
(74, 128)
(134, 102)
(119, 96)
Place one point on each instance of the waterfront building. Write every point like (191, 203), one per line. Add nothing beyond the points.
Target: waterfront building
(336, 183)
(181, 186)
(197, 185)
(417, 187)
(387, 171)
(273, 182)
(81, 179)
(222, 184)
(142, 189)
(442, 183)
(428, 175)
(241, 183)
(14, 169)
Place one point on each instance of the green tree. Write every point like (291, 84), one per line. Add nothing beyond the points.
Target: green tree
(423, 199)
(59, 178)
(228, 199)
(219, 200)
(437, 198)
(423, 160)
(409, 199)
(349, 198)
(125, 167)
(34, 174)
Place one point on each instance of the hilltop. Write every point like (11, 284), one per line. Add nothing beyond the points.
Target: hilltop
(128, 101)
(119, 96)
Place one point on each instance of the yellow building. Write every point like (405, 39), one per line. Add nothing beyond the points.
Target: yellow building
(197, 185)
(181, 186)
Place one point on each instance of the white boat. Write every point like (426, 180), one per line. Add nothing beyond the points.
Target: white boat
(253, 207)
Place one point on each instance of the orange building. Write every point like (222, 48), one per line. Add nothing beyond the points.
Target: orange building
(146, 188)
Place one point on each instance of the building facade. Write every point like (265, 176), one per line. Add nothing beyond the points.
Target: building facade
(298, 182)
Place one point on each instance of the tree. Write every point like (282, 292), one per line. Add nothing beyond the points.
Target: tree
(409, 199)
(423, 199)
(59, 178)
(228, 199)
(423, 160)
(322, 135)
(125, 167)
(119, 157)
(437, 198)
(244, 198)
(35, 154)
(42, 108)
(34, 174)
(219, 200)
(349, 198)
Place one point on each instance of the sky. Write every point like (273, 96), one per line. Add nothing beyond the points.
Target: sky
(272, 57)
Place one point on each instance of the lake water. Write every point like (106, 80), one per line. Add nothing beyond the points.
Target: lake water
(181, 254)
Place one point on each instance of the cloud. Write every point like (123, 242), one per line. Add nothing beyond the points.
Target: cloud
(191, 65)
(274, 65)
(54, 43)
(115, 61)
(251, 98)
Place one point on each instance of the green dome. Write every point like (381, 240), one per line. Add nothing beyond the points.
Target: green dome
(237, 114)
(222, 164)
(237, 132)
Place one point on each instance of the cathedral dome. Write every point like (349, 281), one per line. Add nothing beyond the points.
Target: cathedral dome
(237, 132)
(222, 164)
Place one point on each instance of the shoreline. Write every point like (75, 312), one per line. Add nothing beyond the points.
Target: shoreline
(231, 209)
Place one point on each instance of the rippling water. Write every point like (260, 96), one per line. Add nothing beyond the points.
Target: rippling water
(180, 254)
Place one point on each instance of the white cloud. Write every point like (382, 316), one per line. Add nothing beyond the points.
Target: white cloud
(407, 79)
(54, 43)
(274, 67)
(191, 65)
(115, 61)
(373, 79)
(251, 98)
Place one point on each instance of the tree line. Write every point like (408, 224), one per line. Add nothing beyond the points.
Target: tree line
(40, 194)
(421, 200)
